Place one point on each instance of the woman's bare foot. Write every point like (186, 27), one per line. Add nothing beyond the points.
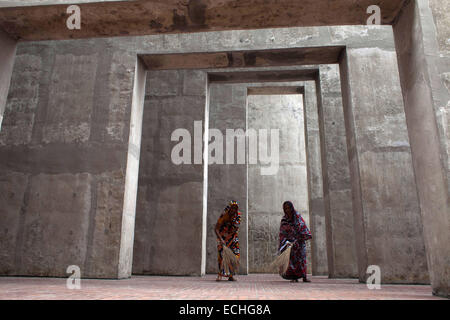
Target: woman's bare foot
(231, 279)
(219, 278)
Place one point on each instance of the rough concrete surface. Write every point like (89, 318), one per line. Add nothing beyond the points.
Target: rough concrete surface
(267, 193)
(65, 134)
(174, 16)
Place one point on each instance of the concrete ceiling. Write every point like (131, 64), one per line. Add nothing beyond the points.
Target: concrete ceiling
(146, 17)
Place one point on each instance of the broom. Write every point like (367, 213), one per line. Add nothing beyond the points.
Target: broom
(230, 262)
(281, 263)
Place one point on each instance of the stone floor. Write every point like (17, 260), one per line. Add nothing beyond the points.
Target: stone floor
(252, 287)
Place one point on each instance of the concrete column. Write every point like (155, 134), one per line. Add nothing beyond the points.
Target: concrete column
(132, 173)
(227, 110)
(7, 56)
(342, 261)
(169, 215)
(427, 105)
(387, 219)
(315, 182)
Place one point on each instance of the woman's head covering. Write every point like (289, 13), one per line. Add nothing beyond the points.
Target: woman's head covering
(231, 204)
(291, 207)
(290, 204)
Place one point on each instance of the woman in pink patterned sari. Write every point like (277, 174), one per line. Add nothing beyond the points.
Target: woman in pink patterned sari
(293, 230)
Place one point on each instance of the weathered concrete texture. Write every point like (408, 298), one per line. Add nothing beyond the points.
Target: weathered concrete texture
(441, 14)
(342, 262)
(53, 81)
(246, 59)
(12, 3)
(169, 213)
(227, 110)
(108, 18)
(388, 226)
(132, 173)
(7, 56)
(319, 260)
(64, 148)
(266, 194)
(427, 106)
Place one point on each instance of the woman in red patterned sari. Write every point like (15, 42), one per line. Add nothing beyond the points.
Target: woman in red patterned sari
(293, 230)
(227, 229)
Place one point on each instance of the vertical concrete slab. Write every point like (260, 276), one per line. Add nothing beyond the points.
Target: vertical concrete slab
(169, 215)
(65, 140)
(387, 220)
(132, 173)
(7, 56)
(342, 262)
(319, 263)
(424, 60)
(227, 110)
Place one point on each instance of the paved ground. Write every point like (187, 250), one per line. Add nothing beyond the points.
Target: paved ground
(252, 287)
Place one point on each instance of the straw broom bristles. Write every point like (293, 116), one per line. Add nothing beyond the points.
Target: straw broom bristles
(230, 262)
(281, 263)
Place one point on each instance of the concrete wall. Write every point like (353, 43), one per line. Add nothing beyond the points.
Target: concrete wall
(266, 194)
(319, 258)
(387, 221)
(227, 110)
(342, 262)
(7, 56)
(169, 213)
(132, 173)
(424, 64)
(67, 124)
(63, 147)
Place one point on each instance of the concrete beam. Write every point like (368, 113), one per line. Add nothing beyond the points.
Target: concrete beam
(145, 17)
(305, 74)
(246, 59)
(278, 90)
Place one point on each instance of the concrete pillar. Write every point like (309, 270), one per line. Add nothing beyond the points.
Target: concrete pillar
(169, 215)
(387, 220)
(7, 56)
(315, 182)
(427, 105)
(342, 261)
(132, 173)
(227, 110)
